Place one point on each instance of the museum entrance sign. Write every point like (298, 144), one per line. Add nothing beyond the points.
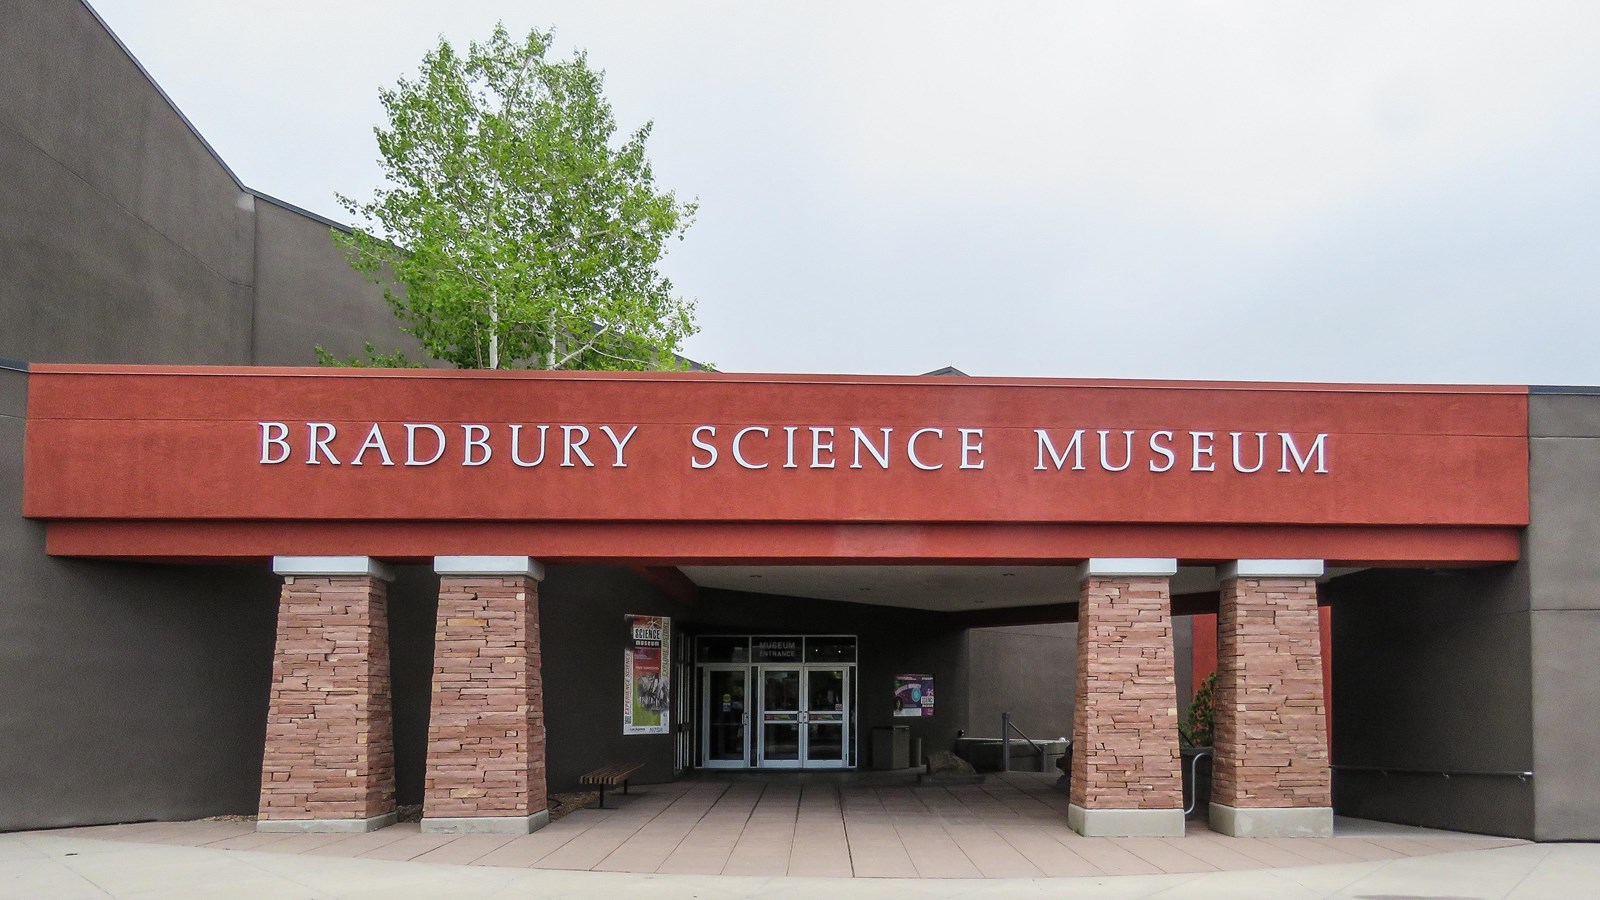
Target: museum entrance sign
(502, 452)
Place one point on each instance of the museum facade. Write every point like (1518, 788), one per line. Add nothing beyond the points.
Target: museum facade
(235, 585)
(333, 477)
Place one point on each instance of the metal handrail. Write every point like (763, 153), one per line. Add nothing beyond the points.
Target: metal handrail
(1006, 727)
(1194, 780)
(1443, 773)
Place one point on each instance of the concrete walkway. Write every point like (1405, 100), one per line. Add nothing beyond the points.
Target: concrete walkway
(54, 865)
(1014, 826)
(776, 838)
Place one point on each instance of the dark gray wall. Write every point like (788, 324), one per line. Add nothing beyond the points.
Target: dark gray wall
(1491, 670)
(1028, 671)
(581, 642)
(413, 603)
(1182, 662)
(124, 239)
(306, 294)
(1563, 555)
(121, 238)
(128, 691)
(1431, 671)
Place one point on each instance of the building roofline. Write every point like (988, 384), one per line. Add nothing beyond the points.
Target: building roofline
(1572, 389)
(187, 123)
(164, 96)
(275, 201)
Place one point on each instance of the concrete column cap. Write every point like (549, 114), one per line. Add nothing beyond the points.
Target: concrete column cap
(1108, 567)
(489, 565)
(332, 565)
(1271, 568)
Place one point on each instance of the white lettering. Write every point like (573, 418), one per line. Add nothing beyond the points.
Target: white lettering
(411, 444)
(481, 442)
(516, 446)
(1074, 446)
(711, 458)
(1318, 449)
(968, 447)
(269, 440)
(374, 441)
(1206, 450)
(788, 436)
(738, 453)
(1261, 451)
(861, 438)
(1127, 452)
(328, 433)
(1172, 458)
(911, 448)
(574, 446)
(619, 443)
(818, 447)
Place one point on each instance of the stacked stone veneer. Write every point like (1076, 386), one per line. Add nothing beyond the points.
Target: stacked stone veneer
(330, 734)
(486, 735)
(1271, 739)
(1125, 727)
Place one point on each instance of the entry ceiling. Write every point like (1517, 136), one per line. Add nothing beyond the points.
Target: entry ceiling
(937, 588)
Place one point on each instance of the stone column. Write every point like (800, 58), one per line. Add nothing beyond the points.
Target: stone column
(1270, 775)
(1125, 776)
(329, 760)
(486, 771)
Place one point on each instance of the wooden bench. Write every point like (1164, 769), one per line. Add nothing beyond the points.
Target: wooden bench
(611, 776)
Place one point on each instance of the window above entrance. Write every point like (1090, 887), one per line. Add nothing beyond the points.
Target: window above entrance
(764, 649)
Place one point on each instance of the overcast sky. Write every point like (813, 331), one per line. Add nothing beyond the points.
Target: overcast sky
(1343, 191)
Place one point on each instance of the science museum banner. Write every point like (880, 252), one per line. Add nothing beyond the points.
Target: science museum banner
(646, 676)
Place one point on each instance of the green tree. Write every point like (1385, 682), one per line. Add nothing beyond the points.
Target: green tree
(514, 231)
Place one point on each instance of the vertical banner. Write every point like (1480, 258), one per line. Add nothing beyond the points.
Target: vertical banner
(647, 675)
(913, 695)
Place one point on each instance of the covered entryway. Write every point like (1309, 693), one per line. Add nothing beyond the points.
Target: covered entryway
(492, 480)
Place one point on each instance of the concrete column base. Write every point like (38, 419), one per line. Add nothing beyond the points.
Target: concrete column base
(1125, 822)
(1244, 821)
(486, 824)
(327, 826)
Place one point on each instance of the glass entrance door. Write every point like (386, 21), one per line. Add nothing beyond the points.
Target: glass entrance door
(826, 717)
(781, 718)
(805, 717)
(776, 701)
(725, 735)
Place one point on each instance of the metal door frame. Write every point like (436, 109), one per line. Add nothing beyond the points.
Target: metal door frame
(845, 715)
(706, 669)
(755, 705)
(759, 757)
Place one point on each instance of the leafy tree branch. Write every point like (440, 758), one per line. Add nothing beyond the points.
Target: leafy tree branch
(515, 229)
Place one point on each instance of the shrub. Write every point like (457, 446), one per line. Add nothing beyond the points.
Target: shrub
(1196, 728)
